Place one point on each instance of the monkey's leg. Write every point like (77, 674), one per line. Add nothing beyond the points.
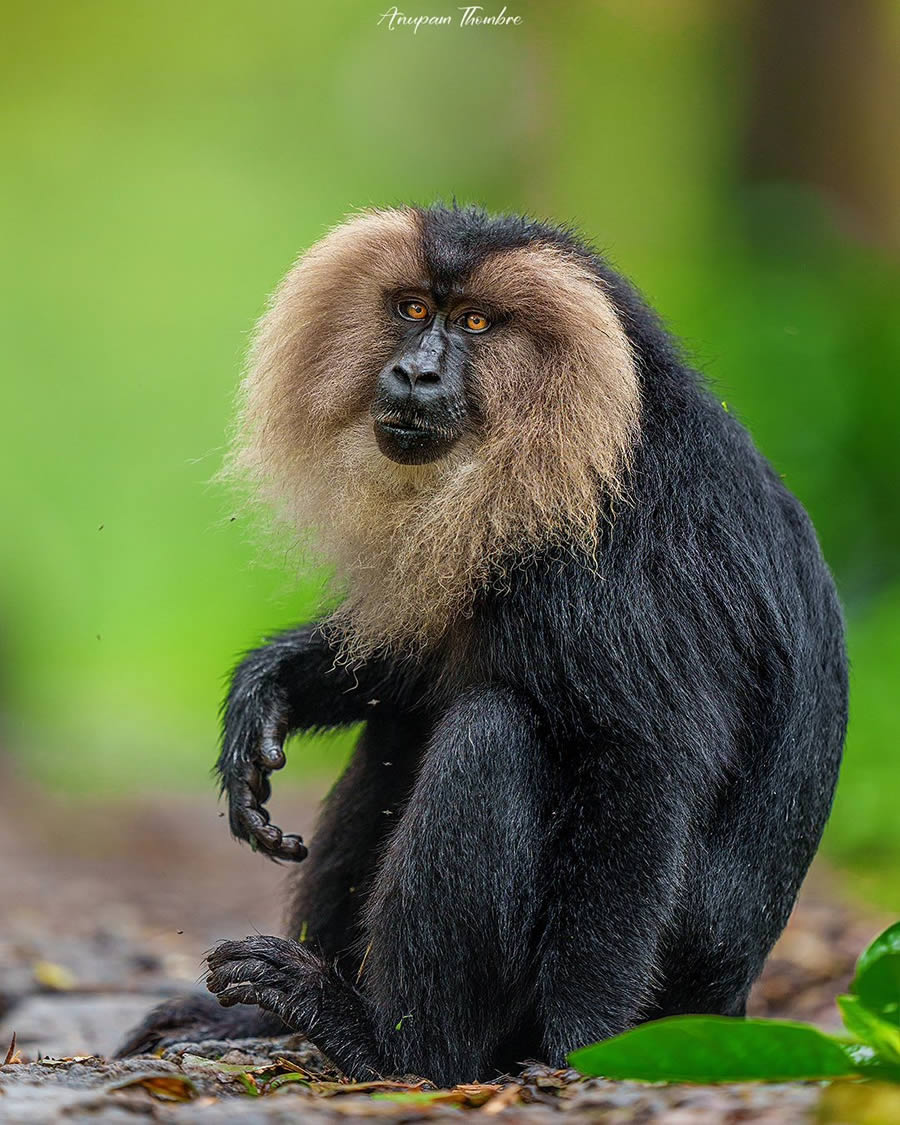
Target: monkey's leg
(190, 1019)
(614, 877)
(714, 953)
(287, 685)
(745, 872)
(358, 816)
(450, 918)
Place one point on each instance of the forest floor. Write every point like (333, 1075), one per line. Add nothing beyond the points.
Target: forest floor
(108, 907)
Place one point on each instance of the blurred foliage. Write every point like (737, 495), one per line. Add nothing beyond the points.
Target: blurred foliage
(163, 165)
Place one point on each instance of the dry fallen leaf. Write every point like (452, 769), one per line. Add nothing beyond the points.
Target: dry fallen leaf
(507, 1096)
(329, 1089)
(293, 1068)
(166, 1087)
(469, 1094)
(477, 1093)
(49, 1060)
(198, 1062)
(11, 1054)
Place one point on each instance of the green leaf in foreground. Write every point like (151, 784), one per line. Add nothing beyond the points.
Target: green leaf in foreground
(877, 980)
(708, 1049)
(868, 1026)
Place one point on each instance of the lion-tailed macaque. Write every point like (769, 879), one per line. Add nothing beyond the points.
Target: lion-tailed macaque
(597, 654)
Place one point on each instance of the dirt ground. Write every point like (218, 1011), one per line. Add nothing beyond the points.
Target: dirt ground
(107, 907)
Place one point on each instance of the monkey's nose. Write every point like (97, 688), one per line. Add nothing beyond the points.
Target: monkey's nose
(411, 375)
(407, 386)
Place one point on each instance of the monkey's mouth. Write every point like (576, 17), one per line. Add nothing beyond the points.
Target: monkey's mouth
(410, 442)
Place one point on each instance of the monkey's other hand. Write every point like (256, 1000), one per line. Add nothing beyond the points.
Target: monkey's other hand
(280, 975)
(254, 729)
(289, 980)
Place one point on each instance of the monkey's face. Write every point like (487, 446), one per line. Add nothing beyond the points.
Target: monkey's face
(433, 392)
(420, 407)
(410, 348)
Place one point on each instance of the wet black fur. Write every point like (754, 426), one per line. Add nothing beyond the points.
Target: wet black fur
(595, 803)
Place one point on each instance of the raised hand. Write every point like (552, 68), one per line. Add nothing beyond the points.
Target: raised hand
(255, 724)
(291, 683)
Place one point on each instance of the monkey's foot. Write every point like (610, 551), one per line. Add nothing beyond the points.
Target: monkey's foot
(290, 981)
(190, 1019)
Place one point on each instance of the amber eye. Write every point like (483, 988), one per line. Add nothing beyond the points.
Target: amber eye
(413, 310)
(475, 322)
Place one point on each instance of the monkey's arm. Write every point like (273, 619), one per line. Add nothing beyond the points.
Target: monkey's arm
(289, 684)
(449, 914)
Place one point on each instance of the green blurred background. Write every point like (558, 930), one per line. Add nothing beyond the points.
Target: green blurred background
(164, 162)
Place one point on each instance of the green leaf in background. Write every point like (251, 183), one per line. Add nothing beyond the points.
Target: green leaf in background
(877, 980)
(709, 1049)
(870, 1028)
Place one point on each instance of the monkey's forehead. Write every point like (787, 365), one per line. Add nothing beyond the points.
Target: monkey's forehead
(457, 240)
(445, 249)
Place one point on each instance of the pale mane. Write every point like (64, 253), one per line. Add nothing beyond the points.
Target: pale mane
(411, 545)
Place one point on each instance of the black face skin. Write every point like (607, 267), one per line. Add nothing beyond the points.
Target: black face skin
(420, 406)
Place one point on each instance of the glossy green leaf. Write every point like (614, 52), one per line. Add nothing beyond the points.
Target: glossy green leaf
(877, 980)
(868, 1026)
(711, 1049)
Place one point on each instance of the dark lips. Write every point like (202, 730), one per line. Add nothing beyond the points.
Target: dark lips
(394, 428)
(410, 445)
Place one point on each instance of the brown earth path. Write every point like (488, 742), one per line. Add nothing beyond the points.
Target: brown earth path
(107, 906)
